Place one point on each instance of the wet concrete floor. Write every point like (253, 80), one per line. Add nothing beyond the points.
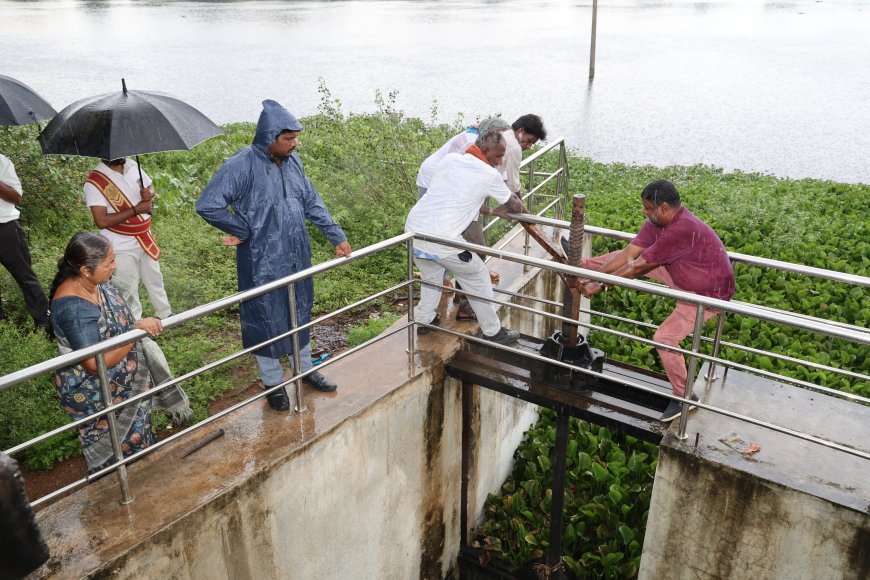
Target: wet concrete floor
(826, 473)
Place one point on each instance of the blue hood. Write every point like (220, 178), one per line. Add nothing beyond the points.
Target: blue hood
(273, 120)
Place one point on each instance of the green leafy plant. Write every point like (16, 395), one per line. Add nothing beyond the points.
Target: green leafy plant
(607, 493)
(370, 328)
(364, 166)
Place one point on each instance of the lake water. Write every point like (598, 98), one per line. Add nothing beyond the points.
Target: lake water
(777, 87)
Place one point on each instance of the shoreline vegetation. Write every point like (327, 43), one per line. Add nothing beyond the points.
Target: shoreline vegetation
(365, 166)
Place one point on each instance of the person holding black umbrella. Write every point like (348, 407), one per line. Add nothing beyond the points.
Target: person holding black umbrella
(121, 206)
(14, 253)
(113, 127)
(271, 198)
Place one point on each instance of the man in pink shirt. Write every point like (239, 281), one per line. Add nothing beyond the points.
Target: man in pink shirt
(681, 251)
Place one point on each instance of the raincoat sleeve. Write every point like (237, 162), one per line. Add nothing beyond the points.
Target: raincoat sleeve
(316, 213)
(228, 185)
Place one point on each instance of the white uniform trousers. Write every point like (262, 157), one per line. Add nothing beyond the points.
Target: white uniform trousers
(472, 276)
(136, 265)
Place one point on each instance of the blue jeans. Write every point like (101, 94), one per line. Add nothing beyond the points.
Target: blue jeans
(271, 371)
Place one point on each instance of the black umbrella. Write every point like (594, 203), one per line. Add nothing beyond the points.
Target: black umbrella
(128, 123)
(20, 105)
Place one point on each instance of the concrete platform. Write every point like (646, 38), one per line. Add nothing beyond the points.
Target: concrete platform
(835, 476)
(794, 510)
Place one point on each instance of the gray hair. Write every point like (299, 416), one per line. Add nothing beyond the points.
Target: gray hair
(489, 140)
(493, 123)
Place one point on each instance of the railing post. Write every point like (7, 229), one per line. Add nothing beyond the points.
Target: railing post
(557, 503)
(411, 327)
(294, 323)
(717, 344)
(126, 496)
(561, 188)
(693, 366)
(529, 204)
(467, 394)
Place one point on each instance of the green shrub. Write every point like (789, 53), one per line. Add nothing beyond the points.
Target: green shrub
(370, 328)
(30, 409)
(608, 486)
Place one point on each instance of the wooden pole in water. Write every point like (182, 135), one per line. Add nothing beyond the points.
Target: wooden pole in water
(592, 48)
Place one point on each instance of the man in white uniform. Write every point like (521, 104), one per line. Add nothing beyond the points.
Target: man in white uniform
(460, 185)
(525, 132)
(456, 144)
(122, 208)
(14, 253)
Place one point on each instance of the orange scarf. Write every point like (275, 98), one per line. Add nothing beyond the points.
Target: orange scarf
(137, 226)
(475, 150)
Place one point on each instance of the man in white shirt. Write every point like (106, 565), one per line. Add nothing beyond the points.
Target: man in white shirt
(460, 185)
(456, 144)
(122, 208)
(525, 132)
(14, 253)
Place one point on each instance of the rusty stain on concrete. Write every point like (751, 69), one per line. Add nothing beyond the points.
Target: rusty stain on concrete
(433, 532)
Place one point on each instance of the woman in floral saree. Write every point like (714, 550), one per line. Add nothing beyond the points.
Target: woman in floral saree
(87, 309)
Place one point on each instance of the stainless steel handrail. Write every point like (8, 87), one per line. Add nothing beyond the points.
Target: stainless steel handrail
(207, 421)
(197, 312)
(557, 142)
(731, 345)
(699, 355)
(791, 267)
(814, 324)
(790, 319)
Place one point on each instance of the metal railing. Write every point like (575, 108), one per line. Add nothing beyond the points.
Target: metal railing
(849, 333)
(846, 332)
(99, 350)
(554, 200)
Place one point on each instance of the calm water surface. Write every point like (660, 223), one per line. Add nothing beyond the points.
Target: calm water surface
(778, 87)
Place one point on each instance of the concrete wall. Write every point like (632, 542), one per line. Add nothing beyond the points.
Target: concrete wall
(546, 285)
(493, 449)
(376, 498)
(709, 521)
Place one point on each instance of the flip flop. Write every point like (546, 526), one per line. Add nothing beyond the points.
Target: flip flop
(466, 317)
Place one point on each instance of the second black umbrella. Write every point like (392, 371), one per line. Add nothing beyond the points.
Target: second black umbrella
(128, 123)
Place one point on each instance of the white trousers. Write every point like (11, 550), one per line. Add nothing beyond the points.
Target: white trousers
(136, 265)
(472, 276)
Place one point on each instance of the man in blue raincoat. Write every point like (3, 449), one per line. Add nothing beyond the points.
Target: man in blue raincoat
(271, 198)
